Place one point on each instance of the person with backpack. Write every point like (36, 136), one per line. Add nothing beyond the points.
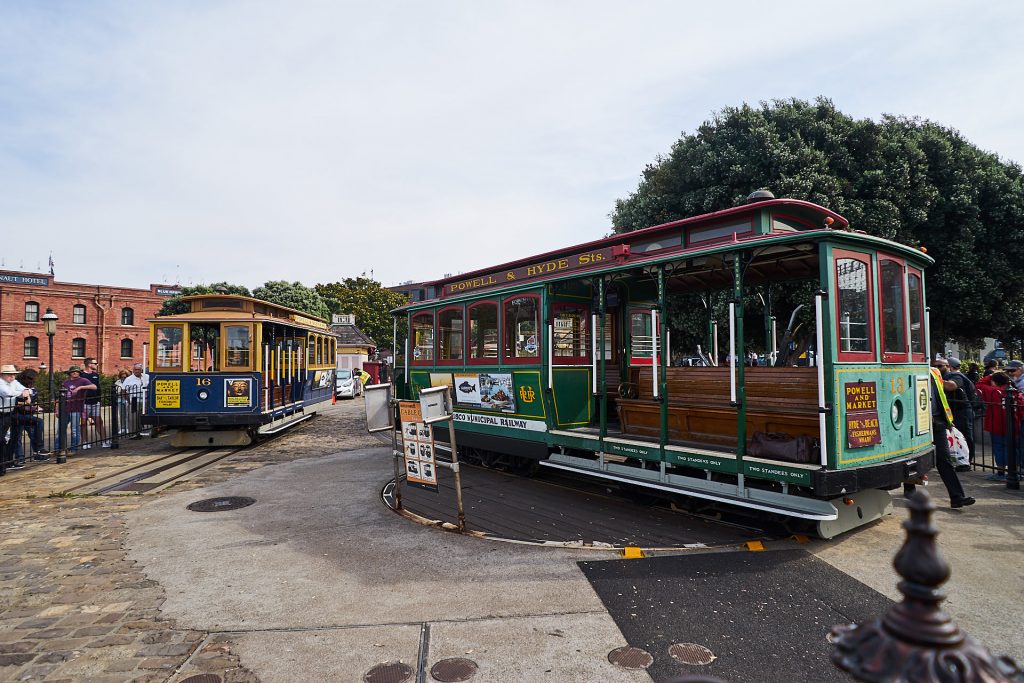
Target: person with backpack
(961, 401)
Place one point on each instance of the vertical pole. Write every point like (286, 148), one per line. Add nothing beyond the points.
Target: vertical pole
(396, 454)
(603, 369)
(714, 342)
(661, 359)
(739, 352)
(64, 438)
(732, 353)
(818, 352)
(1013, 438)
(458, 475)
(655, 361)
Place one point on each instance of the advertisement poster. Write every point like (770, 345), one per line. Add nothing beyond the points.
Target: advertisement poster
(238, 393)
(491, 391)
(417, 447)
(862, 428)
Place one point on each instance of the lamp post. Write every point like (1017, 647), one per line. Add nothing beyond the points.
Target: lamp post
(50, 324)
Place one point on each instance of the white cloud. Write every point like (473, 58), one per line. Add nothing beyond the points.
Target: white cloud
(314, 141)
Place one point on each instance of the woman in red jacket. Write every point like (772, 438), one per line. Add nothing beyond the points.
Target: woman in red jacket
(993, 390)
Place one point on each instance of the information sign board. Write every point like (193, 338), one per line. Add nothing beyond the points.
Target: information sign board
(417, 447)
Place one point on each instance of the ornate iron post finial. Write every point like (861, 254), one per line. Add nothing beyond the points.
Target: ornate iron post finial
(915, 641)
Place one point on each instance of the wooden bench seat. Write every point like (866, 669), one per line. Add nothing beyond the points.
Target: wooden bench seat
(783, 400)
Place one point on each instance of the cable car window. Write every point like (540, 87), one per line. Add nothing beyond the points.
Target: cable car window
(916, 313)
(205, 340)
(521, 338)
(854, 305)
(237, 346)
(483, 331)
(450, 338)
(423, 337)
(570, 329)
(641, 337)
(894, 315)
(169, 340)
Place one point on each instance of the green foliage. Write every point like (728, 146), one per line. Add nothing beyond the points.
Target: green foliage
(294, 295)
(903, 178)
(175, 305)
(370, 303)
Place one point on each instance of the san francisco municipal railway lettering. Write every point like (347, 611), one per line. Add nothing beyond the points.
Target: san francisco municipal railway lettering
(532, 271)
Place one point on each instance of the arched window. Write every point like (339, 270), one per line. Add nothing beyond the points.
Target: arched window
(127, 348)
(31, 311)
(127, 316)
(423, 338)
(31, 347)
(522, 338)
(78, 314)
(78, 348)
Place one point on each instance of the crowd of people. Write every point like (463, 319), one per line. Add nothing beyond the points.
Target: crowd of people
(958, 400)
(78, 409)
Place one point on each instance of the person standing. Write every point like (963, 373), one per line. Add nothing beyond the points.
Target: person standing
(942, 420)
(993, 391)
(122, 402)
(973, 372)
(93, 409)
(961, 402)
(133, 388)
(1015, 371)
(991, 366)
(12, 393)
(74, 388)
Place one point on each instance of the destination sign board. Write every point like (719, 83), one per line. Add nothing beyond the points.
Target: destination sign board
(531, 272)
(862, 428)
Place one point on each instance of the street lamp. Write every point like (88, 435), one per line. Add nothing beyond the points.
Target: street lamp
(50, 324)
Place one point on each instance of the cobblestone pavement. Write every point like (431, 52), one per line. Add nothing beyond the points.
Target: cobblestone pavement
(74, 608)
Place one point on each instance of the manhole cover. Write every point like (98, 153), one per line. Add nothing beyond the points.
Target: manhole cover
(453, 670)
(202, 678)
(630, 658)
(392, 672)
(221, 504)
(691, 653)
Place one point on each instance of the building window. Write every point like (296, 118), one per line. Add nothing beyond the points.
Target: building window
(78, 314)
(127, 316)
(127, 347)
(78, 348)
(31, 312)
(31, 347)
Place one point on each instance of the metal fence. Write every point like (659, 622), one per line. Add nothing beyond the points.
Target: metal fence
(998, 442)
(43, 431)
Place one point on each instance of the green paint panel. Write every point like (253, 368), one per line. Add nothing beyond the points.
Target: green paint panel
(529, 397)
(571, 396)
(891, 397)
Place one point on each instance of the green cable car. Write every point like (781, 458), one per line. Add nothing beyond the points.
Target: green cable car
(565, 360)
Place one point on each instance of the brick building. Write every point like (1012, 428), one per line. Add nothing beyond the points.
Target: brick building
(103, 321)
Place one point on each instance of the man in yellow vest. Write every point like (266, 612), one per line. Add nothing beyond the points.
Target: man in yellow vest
(363, 376)
(942, 420)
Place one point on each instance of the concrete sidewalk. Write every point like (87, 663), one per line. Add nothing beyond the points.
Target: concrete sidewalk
(319, 581)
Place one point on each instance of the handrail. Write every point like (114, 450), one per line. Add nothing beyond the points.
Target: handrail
(732, 352)
(654, 351)
(593, 351)
(819, 339)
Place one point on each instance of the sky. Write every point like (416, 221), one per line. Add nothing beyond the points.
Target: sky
(200, 141)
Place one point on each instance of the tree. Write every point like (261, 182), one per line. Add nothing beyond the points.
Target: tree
(293, 295)
(370, 303)
(175, 305)
(902, 178)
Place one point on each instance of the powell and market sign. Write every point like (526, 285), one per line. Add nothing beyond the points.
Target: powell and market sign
(531, 272)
